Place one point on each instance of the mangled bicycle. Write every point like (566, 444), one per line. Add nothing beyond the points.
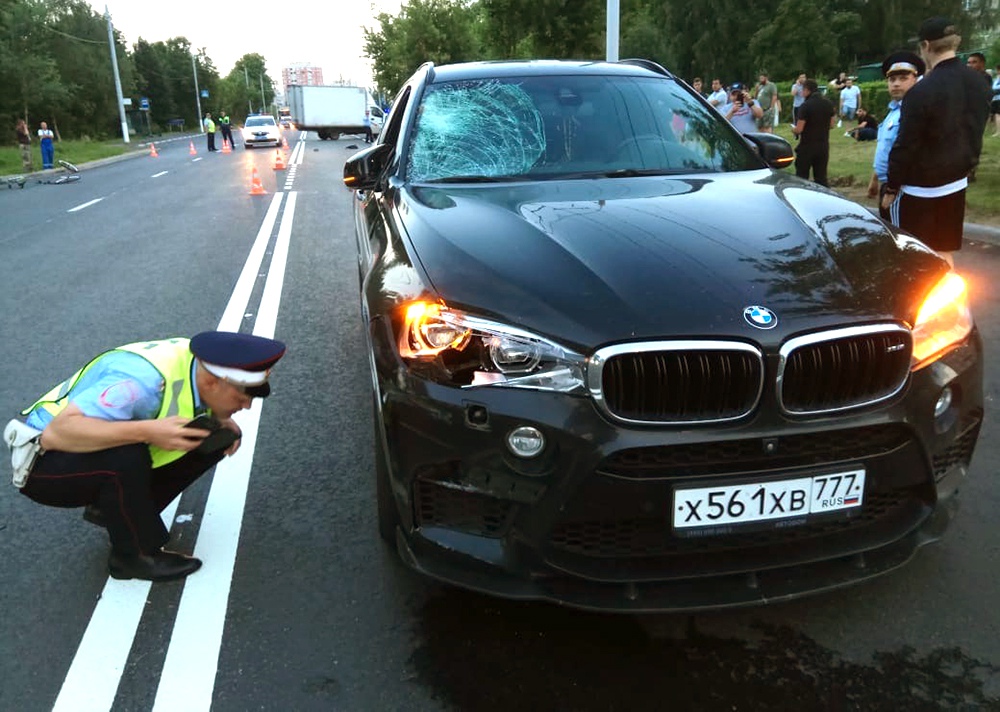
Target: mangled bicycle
(68, 173)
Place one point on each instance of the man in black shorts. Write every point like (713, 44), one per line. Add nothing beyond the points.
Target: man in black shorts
(939, 142)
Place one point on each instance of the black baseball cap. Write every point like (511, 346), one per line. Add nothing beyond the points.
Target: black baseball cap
(935, 28)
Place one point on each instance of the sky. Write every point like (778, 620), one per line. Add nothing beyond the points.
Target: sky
(324, 33)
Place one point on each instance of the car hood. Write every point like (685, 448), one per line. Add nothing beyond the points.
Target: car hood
(596, 261)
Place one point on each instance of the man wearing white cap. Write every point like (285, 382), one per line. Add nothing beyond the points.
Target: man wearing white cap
(901, 70)
(120, 437)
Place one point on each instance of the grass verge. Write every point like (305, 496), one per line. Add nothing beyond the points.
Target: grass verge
(73, 151)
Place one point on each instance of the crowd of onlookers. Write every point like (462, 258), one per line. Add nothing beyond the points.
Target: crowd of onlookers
(927, 143)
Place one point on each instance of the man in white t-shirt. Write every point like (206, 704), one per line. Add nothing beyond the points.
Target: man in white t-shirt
(718, 97)
(850, 99)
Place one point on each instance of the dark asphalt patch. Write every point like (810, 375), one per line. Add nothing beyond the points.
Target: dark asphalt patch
(500, 656)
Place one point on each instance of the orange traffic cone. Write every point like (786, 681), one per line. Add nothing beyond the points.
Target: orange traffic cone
(152, 151)
(279, 162)
(284, 143)
(226, 148)
(192, 151)
(256, 188)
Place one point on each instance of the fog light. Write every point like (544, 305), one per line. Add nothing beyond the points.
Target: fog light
(943, 402)
(525, 441)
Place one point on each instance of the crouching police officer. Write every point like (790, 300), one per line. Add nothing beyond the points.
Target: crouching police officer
(117, 437)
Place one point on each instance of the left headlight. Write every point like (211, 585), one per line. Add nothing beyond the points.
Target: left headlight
(452, 346)
(943, 321)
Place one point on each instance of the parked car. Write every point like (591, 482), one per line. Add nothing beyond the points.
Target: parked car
(621, 361)
(261, 130)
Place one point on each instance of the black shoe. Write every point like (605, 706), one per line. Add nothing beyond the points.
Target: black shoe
(160, 566)
(93, 514)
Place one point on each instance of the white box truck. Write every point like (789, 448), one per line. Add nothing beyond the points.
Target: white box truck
(331, 110)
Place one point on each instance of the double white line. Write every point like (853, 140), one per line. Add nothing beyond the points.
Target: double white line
(188, 677)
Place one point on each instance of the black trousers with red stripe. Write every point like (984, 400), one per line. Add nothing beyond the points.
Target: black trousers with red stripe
(122, 482)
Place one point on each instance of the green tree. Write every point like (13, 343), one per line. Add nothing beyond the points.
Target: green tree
(29, 73)
(550, 29)
(796, 39)
(439, 31)
(240, 91)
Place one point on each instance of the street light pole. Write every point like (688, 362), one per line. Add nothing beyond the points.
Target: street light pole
(612, 31)
(263, 101)
(197, 93)
(118, 81)
(246, 80)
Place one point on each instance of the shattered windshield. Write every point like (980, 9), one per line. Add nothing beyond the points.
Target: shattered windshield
(568, 127)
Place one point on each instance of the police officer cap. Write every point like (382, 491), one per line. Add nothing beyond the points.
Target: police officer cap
(242, 359)
(903, 61)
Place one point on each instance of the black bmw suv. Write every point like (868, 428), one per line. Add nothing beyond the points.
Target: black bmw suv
(621, 361)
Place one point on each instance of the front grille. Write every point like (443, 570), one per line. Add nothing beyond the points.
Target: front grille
(445, 505)
(651, 536)
(719, 458)
(678, 382)
(843, 369)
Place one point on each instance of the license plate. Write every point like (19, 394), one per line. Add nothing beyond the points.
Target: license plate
(763, 501)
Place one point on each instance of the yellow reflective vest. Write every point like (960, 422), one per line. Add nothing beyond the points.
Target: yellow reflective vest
(172, 358)
(209, 126)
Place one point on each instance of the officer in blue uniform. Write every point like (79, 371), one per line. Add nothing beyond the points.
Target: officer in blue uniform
(902, 70)
(118, 437)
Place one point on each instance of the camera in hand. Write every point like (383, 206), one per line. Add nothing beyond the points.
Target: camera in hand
(220, 438)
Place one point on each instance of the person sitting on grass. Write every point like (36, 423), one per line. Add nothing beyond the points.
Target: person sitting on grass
(867, 128)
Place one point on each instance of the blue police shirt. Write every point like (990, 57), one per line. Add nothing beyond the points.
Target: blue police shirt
(120, 386)
(887, 132)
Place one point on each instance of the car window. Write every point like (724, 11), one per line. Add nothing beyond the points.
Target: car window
(376, 112)
(260, 121)
(569, 126)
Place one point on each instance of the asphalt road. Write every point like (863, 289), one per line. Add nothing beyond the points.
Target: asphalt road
(316, 614)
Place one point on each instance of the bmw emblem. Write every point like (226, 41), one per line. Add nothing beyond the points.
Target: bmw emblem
(760, 317)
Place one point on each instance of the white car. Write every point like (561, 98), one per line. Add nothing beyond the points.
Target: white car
(261, 131)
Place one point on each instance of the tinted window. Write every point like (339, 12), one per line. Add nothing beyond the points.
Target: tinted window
(569, 126)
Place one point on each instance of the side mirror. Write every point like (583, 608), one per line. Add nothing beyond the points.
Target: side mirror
(363, 169)
(775, 151)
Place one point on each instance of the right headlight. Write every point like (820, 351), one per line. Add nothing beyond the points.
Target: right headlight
(457, 348)
(943, 321)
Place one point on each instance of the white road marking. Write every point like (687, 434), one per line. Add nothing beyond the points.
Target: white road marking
(96, 670)
(161, 173)
(188, 677)
(195, 160)
(85, 205)
(92, 681)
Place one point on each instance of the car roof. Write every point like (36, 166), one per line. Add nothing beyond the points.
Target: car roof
(543, 67)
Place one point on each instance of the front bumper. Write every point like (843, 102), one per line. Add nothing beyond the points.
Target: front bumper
(262, 140)
(587, 524)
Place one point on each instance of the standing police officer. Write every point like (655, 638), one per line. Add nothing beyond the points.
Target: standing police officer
(227, 129)
(117, 437)
(901, 70)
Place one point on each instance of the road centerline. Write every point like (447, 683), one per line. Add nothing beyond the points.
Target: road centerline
(188, 678)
